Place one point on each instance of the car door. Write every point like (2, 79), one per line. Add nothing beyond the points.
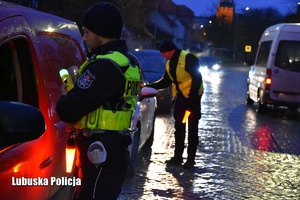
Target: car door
(66, 51)
(147, 115)
(25, 168)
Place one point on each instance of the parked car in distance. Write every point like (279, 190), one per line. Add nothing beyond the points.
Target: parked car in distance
(34, 47)
(274, 78)
(209, 63)
(153, 65)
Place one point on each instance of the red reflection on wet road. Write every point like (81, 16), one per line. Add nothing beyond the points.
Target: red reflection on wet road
(261, 139)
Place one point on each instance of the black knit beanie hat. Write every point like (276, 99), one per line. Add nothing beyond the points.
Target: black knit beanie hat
(104, 19)
(167, 45)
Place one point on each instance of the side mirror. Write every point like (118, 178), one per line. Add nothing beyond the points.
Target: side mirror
(19, 123)
(147, 92)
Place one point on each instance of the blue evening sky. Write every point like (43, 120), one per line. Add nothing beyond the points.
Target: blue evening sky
(208, 7)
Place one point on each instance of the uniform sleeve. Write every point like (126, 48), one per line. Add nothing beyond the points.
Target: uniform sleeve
(192, 67)
(162, 83)
(99, 84)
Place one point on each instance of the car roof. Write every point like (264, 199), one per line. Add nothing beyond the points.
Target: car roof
(10, 10)
(39, 21)
(147, 51)
(207, 56)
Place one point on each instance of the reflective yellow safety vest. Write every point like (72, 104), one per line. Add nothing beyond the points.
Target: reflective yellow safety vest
(184, 79)
(109, 119)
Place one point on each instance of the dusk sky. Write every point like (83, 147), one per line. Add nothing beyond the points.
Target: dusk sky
(208, 7)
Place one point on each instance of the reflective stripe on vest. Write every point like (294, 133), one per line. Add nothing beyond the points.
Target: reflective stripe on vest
(105, 119)
(184, 79)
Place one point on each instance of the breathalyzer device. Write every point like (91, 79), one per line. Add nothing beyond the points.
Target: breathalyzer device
(66, 79)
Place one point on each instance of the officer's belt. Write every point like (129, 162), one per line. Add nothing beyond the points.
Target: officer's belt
(90, 132)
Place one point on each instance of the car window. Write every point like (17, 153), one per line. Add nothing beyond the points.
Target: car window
(209, 59)
(288, 56)
(263, 53)
(69, 55)
(17, 79)
(151, 62)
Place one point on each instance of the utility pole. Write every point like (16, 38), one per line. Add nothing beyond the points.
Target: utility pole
(235, 36)
(155, 26)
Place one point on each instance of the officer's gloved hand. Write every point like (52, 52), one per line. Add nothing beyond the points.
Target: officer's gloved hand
(142, 85)
(69, 128)
(192, 103)
(194, 106)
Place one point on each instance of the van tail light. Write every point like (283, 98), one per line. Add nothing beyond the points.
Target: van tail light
(268, 79)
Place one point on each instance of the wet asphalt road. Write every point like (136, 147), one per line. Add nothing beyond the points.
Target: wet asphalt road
(241, 154)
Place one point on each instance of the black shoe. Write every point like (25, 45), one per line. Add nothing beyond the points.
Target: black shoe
(189, 164)
(174, 161)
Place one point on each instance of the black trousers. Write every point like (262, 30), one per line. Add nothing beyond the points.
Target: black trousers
(181, 105)
(105, 181)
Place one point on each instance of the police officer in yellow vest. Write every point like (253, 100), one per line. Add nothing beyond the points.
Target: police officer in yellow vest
(182, 69)
(101, 103)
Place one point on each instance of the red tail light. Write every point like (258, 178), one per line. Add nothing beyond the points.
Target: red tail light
(268, 79)
(70, 154)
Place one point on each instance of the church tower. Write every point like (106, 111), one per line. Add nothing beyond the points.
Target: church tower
(225, 12)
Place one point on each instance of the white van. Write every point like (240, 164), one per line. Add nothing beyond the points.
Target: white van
(274, 78)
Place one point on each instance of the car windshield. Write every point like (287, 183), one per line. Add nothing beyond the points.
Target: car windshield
(151, 62)
(208, 59)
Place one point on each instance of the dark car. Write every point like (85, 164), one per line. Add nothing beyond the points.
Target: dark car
(153, 65)
(209, 63)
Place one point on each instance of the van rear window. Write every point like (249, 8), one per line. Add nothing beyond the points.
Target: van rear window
(263, 53)
(288, 56)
